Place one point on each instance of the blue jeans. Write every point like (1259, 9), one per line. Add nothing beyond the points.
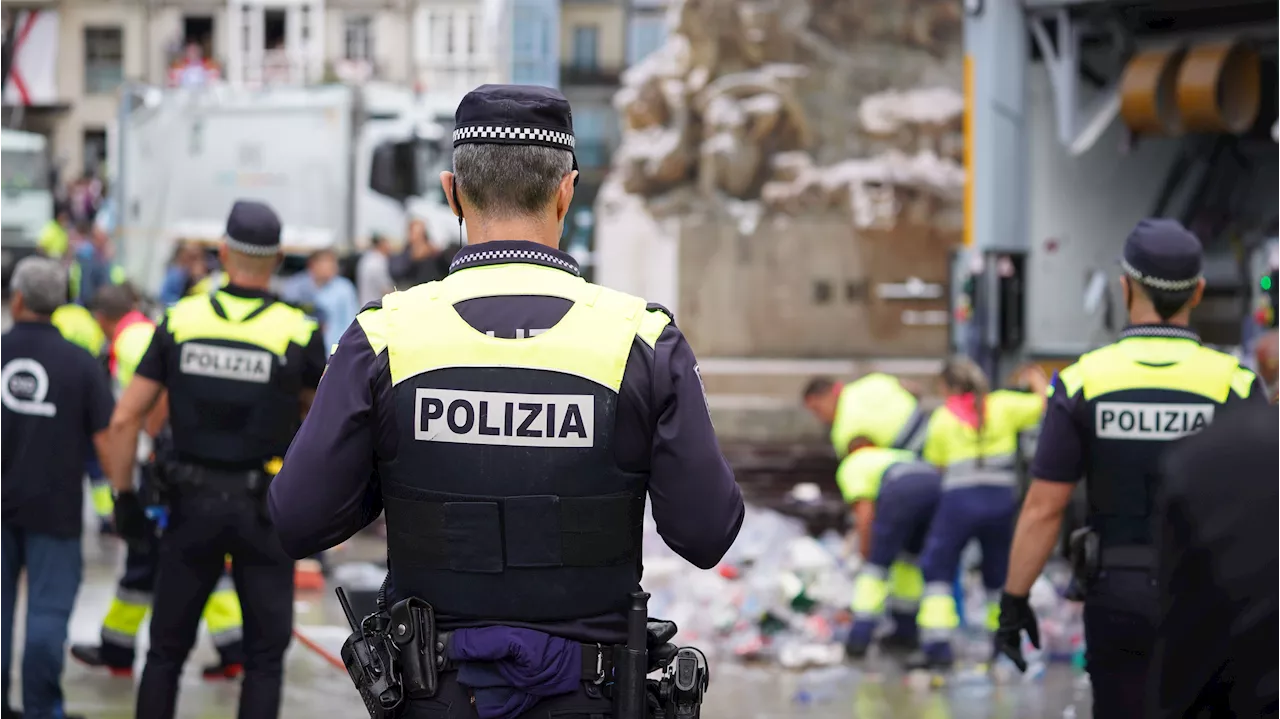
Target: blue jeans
(54, 567)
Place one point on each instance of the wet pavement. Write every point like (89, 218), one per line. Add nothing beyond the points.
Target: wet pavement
(315, 688)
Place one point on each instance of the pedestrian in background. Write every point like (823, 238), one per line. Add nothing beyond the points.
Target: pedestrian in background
(56, 405)
(373, 272)
(328, 295)
(420, 261)
(1218, 567)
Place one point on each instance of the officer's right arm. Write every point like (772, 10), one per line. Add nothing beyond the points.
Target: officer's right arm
(1246, 388)
(327, 489)
(696, 503)
(1057, 467)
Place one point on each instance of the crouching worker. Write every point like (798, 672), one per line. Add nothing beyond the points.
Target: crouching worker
(893, 496)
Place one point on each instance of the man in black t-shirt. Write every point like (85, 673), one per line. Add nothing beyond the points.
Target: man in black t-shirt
(56, 406)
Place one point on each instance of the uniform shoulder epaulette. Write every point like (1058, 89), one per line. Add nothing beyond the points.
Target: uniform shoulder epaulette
(655, 307)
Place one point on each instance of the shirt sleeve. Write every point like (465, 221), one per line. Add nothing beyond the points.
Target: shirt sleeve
(1025, 409)
(313, 358)
(1060, 448)
(327, 489)
(855, 478)
(99, 400)
(697, 505)
(154, 364)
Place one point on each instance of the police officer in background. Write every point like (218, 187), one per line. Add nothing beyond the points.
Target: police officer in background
(510, 418)
(240, 368)
(1109, 418)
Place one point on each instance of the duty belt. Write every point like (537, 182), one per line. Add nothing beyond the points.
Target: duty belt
(1133, 556)
(596, 659)
(184, 475)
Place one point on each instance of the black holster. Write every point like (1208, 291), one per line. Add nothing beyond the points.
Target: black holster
(370, 658)
(413, 631)
(1084, 553)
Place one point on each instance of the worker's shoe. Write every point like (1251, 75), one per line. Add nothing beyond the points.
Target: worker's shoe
(859, 640)
(91, 655)
(933, 657)
(905, 637)
(223, 670)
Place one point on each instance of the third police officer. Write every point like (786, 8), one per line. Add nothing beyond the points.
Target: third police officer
(511, 419)
(1109, 418)
(240, 368)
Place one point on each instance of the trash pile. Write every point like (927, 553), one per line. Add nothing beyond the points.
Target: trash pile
(782, 597)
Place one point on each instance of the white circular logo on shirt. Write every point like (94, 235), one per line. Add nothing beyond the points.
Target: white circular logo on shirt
(23, 386)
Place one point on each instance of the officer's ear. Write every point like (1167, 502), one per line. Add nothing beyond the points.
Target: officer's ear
(447, 182)
(1197, 295)
(564, 195)
(1126, 292)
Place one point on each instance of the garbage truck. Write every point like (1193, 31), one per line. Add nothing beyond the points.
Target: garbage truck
(337, 163)
(26, 204)
(1085, 117)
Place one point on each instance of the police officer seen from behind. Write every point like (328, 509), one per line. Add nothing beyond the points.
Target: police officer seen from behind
(511, 418)
(1109, 419)
(240, 368)
(56, 404)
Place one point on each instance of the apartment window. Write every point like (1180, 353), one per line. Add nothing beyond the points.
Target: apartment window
(585, 46)
(472, 21)
(645, 34)
(358, 38)
(591, 129)
(94, 150)
(103, 59)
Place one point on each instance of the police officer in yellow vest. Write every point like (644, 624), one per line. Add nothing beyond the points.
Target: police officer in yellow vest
(1109, 419)
(877, 426)
(116, 315)
(973, 440)
(511, 419)
(240, 368)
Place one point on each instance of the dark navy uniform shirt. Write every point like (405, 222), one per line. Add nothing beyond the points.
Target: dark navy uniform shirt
(55, 397)
(329, 490)
(1063, 446)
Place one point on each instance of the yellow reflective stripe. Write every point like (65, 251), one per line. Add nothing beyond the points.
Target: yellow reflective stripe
(103, 502)
(869, 592)
(1072, 379)
(1193, 369)
(374, 323)
(938, 614)
(592, 340)
(124, 618)
(193, 318)
(651, 326)
(118, 276)
(993, 616)
(222, 612)
(130, 345)
(906, 581)
(1242, 382)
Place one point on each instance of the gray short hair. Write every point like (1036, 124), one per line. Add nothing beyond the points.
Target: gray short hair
(42, 282)
(503, 181)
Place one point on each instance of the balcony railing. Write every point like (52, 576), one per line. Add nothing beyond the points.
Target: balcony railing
(589, 75)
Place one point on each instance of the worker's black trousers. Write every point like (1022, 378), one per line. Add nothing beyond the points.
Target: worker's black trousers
(204, 527)
(1119, 630)
(453, 701)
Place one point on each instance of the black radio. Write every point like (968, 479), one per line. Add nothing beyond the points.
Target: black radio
(371, 659)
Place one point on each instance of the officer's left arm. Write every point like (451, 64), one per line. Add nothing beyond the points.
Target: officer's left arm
(1057, 467)
(327, 489)
(1246, 388)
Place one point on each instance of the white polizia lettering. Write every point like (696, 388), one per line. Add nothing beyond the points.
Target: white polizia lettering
(515, 420)
(1150, 421)
(24, 384)
(226, 362)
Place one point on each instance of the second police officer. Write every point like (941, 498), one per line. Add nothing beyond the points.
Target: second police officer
(511, 419)
(240, 368)
(1109, 418)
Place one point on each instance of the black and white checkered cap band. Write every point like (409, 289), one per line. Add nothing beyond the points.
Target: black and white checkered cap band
(1156, 282)
(501, 256)
(514, 135)
(248, 249)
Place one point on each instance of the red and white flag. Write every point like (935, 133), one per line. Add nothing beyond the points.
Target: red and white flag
(33, 75)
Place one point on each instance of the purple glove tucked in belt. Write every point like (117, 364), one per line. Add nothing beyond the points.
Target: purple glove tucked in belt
(509, 670)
